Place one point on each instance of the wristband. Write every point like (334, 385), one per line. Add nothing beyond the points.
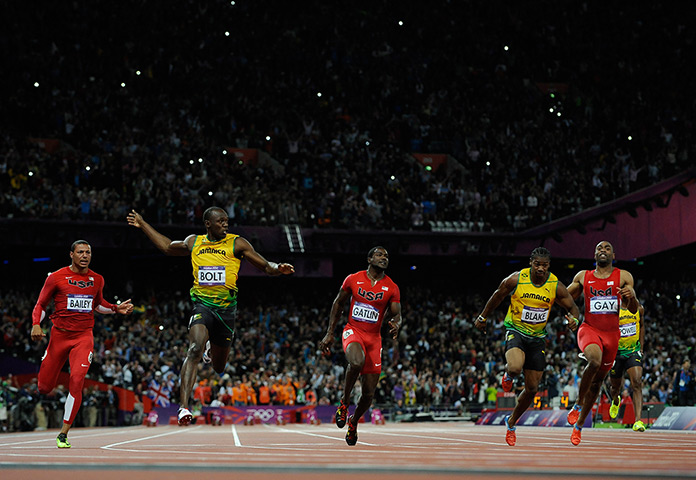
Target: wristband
(480, 319)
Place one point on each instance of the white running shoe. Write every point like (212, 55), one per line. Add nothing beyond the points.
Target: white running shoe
(184, 417)
(206, 353)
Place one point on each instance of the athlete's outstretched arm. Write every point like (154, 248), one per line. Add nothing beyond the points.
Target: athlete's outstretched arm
(504, 289)
(106, 308)
(244, 250)
(164, 244)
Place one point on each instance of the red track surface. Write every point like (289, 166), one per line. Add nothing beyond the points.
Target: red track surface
(393, 451)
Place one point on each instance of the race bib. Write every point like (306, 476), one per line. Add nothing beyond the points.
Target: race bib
(604, 305)
(79, 303)
(347, 333)
(534, 315)
(209, 276)
(628, 330)
(364, 312)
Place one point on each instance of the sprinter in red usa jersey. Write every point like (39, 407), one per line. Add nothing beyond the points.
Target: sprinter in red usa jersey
(374, 297)
(606, 289)
(76, 292)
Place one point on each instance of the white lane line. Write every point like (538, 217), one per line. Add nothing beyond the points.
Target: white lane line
(461, 440)
(237, 442)
(51, 438)
(110, 447)
(288, 430)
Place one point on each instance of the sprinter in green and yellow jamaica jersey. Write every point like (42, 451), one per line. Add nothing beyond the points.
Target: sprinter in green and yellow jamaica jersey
(629, 360)
(533, 292)
(216, 258)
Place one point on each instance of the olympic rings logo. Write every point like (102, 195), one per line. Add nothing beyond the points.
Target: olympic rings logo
(265, 414)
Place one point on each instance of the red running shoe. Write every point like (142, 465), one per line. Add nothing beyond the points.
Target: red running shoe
(510, 435)
(574, 414)
(341, 414)
(575, 436)
(352, 434)
(507, 383)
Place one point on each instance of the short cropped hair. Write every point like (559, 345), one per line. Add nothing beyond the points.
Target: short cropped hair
(373, 250)
(78, 242)
(209, 212)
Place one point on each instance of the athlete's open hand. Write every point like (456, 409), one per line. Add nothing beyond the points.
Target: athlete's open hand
(286, 268)
(135, 219)
(37, 333)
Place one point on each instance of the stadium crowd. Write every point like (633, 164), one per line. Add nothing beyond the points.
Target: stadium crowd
(529, 106)
(439, 361)
(128, 104)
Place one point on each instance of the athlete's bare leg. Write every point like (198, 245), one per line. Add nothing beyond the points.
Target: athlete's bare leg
(219, 356)
(591, 383)
(635, 374)
(593, 354)
(356, 360)
(514, 359)
(369, 385)
(198, 335)
(615, 384)
(524, 400)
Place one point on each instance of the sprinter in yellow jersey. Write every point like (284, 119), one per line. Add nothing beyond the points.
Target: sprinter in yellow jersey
(533, 292)
(216, 258)
(629, 359)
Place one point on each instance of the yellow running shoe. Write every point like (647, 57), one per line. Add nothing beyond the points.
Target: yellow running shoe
(62, 441)
(639, 426)
(614, 409)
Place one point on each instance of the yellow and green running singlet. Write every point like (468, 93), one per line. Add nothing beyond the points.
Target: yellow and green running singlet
(530, 305)
(215, 272)
(629, 325)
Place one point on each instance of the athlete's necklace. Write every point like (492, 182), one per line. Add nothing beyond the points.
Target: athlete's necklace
(374, 280)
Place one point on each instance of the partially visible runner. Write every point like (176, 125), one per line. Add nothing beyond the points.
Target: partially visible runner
(76, 292)
(629, 359)
(533, 292)
(605, 289)
(374, 297)
(216, 258)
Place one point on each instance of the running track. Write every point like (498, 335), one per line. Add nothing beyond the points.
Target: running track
(403, 451)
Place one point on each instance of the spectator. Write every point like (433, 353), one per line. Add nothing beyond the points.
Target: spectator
(683, 390)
